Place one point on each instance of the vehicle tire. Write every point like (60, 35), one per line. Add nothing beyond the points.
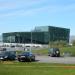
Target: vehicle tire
(58, 55)
(30, 60)
(19, 60)
(51, 55)
(33, 58)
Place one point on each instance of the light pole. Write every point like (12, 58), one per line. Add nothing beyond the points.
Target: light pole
(10, 41)
(18, 37)
(31, 42)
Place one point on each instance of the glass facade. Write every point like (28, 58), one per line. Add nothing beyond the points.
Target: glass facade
(41, 29)
(58, 34)
(40, 35)
(24, 37)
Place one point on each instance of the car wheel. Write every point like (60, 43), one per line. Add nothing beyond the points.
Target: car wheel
(58, 55)
(19, 60)
(51, 55)
(33, 59)
(30, 60)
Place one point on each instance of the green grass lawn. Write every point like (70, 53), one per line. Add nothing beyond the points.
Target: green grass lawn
(45, 51)
(63, 49)
(16, 68)
(20, 68)
(42, 51)
(68, 49)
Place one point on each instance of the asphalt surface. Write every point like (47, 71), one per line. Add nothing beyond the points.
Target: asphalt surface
(61, 60)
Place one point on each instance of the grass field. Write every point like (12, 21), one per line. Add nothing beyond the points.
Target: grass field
(62, 50)
(16, 68)
(68, 49)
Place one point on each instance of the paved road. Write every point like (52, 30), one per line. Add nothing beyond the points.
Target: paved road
(62, 60)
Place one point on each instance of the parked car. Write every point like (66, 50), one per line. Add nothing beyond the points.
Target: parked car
(54, 52)
(26, 56)
(7, 55)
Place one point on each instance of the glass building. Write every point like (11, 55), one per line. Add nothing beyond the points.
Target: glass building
(40, 35)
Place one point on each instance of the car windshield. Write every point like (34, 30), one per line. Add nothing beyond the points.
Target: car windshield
(56, 49)
(7, 53)
(53, 49)
(26, 53)
(3, 53)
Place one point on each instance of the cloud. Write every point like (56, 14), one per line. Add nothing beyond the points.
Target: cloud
(16, 4)
(18, 7)
(23, 12)
(36, 10)
(7, 5)
(47, 9)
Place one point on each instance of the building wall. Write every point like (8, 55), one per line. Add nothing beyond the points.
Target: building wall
(58, 34)
(24, 37)
(41, 29)
(40, 35)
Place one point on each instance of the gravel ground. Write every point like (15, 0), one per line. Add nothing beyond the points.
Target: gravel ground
(62, 60)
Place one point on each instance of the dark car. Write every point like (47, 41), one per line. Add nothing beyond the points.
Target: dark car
(26, 56)
(54, 52)
(7, 55)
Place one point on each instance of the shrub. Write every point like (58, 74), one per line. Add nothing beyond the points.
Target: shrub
(58, 44)
(73, 43)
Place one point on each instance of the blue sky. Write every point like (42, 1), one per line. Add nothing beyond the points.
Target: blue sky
(24, 15)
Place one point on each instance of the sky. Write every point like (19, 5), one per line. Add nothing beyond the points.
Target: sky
(25, 15)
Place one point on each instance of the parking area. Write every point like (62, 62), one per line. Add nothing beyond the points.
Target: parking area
(44, 58)
(61, 60)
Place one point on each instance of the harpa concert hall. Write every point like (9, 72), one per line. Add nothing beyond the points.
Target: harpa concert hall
(40, 35)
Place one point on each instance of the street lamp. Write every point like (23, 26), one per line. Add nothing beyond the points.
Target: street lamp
(31, 42)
